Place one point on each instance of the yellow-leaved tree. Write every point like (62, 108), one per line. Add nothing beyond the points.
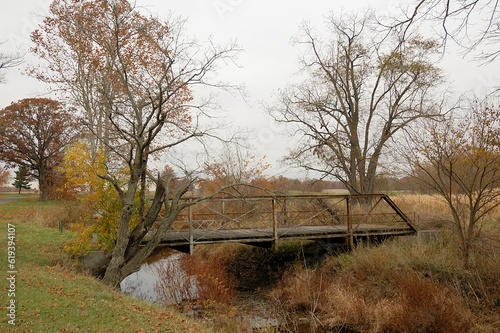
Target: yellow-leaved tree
(96, 227)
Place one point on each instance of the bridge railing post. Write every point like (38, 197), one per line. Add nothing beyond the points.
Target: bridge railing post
(223, 211)
(350, 238)
(275, 224)
(190, 222)
(285, 213)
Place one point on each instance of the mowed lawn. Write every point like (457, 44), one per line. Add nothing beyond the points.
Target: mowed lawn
(51, 297)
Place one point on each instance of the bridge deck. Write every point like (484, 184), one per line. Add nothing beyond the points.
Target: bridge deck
(180, 238)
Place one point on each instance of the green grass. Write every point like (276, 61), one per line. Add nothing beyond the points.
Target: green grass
(51, 297)
(22, 205)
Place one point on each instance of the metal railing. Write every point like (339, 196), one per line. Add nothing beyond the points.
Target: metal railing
(294, 211)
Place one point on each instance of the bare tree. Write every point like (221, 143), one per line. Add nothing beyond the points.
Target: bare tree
(468, 23)
(460, 160)
(362, 88)
(140, 73)
(8, 60)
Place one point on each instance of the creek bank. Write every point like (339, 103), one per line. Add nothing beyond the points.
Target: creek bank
(256, 271)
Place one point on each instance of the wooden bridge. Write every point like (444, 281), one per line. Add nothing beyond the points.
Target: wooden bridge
(268, 220)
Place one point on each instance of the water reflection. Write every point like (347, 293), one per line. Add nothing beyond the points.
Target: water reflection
(141, 284)
(161, 280)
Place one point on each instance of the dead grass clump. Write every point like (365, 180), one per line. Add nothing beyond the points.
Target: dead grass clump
(388, 288)
(423, 306)
(301, 290)
(367, 262)
(214, 285)
(193, 278)
(418, 305)
(173, 286)
(325, 301)
(296, 294)
(347, 307)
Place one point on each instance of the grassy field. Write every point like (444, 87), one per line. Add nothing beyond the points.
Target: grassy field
(52, 297)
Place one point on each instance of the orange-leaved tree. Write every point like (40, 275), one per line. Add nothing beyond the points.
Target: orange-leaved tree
(132, 76)
(34, 133)
(4, 176)
(234, 165)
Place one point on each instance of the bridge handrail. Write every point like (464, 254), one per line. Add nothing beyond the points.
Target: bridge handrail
(289, 196)
(284, 213)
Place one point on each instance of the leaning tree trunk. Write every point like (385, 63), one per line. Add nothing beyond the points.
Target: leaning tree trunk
(113, 275)
(132, 250)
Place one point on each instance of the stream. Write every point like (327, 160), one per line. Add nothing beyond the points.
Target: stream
(144, 285)
(141, 284)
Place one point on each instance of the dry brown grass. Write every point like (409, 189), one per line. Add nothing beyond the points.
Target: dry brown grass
(50, 216)
(395, 287)
(429, 211)
(214, 285)
(422, 305)
(416, 304)
(174, 286)
(197, 278)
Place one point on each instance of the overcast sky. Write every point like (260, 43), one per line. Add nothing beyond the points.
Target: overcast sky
(263, 29)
